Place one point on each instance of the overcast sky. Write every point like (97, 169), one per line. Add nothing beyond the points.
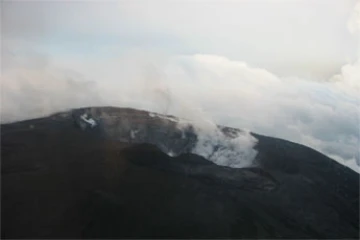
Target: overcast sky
(285, 68)
(296, 37)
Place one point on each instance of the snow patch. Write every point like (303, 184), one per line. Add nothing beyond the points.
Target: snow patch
(171, 154)
(133, 133)
(89, 120)
(172, 119)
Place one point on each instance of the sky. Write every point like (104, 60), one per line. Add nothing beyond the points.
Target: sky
(283, 68)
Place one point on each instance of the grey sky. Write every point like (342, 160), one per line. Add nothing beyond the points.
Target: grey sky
(298, 37)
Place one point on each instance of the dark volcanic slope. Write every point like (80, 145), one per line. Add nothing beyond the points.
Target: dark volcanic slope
(59, 181)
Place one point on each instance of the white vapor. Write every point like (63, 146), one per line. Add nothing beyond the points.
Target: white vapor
(236, 152)
(234, 148)
(207, 88)
(323, 116)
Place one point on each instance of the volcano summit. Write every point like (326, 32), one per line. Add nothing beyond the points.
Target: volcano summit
(106, 172)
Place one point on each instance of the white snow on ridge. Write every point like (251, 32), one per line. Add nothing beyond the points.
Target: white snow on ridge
(91, 121)
(172, 119)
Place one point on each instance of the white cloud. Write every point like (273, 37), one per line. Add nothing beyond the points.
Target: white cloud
(354, 20)
(320, 115)
(290, 38)
(323, 114)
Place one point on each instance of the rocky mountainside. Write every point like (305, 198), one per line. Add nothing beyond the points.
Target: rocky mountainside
(123, 173)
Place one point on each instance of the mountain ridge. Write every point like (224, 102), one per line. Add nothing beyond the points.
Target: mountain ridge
(60, 180)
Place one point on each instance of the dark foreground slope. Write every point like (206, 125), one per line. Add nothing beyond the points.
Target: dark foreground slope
(58, 181)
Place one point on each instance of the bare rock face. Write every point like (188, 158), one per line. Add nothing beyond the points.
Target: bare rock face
(128, 125)
(122, 173)
(222, 145)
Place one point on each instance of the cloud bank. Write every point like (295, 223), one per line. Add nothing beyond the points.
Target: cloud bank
(39, 77)
(324, 116)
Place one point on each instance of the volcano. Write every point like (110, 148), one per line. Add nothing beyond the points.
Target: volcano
(105, 172)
